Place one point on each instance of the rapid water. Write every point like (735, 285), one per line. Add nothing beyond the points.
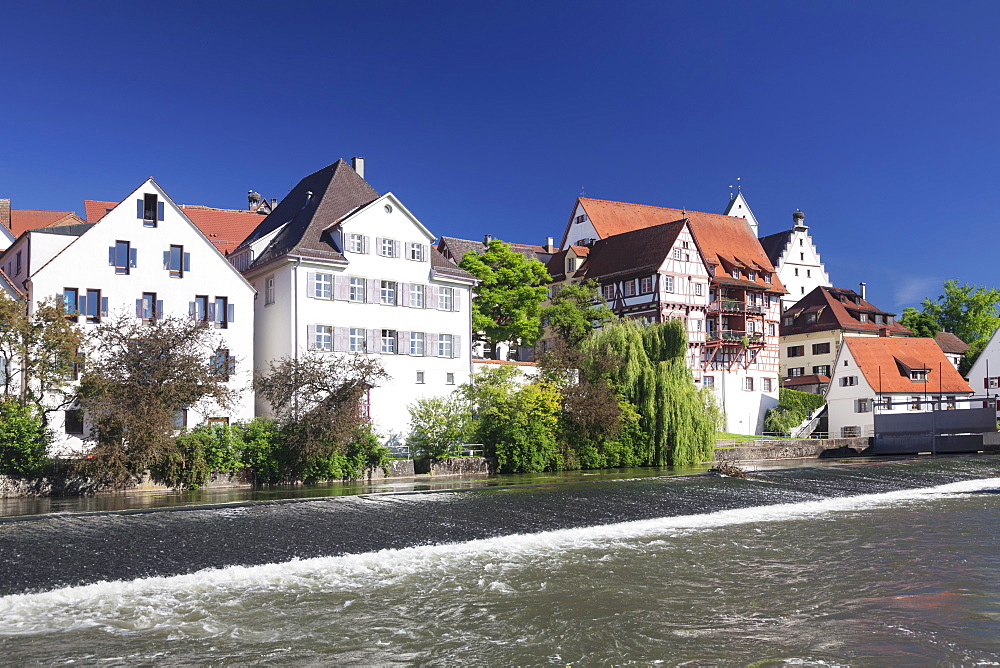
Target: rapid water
(887, 562)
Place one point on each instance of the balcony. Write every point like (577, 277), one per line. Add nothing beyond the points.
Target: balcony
(733, 337)
(734, 306)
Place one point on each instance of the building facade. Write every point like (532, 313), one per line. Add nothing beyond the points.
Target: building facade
(796, 260)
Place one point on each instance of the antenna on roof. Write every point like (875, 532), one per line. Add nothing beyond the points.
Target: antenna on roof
(739, 186)
(731, 195)
(583, 191)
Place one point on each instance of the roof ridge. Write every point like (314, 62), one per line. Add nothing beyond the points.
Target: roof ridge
(662, 208)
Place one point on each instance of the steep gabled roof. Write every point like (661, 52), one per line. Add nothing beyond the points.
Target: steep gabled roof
(884, 362)
(314, 204)
(642, 250)
(22, 220)
(556, 264)
(225, 228)
(459, 247)
(949, 343)
(834, 308)
(774, 245)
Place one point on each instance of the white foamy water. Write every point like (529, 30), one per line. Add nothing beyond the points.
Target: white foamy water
(210, 603)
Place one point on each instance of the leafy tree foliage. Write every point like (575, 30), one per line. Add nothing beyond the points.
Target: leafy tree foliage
(135, 382)
(967, 311)
(921, 323)
(507, 302)
(37, 353)
(316, 399)
(576, 310)
(439, 426)
(519, 431)
(24, 439)
(793, 407)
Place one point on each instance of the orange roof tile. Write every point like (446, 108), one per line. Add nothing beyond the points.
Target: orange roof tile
(30, 219)
(881, 358)
(225, 228)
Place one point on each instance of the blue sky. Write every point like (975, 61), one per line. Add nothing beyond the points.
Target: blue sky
(877, 119)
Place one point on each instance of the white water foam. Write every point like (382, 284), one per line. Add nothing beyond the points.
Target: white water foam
(185, 600)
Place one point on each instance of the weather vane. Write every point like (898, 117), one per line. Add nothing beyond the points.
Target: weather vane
(583, 191)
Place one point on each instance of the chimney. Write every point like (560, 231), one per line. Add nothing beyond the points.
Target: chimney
(274, 203)
(863, 290)
(487, 238)
(359, 166)
(5, 213)
(883, 332)
(549, 246)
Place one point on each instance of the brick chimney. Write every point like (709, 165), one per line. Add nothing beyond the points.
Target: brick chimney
(5, 213)
(883, 332)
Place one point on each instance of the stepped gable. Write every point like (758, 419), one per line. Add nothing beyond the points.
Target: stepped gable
(632, 252)
(774, 245)
(337, 190)
(725, 242)
(225, 228)
(838, 308)
(885, 363)
(949, 343)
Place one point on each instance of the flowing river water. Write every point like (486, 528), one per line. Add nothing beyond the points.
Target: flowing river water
(869, 562)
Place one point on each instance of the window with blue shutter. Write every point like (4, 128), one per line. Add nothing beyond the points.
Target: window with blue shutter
(151, 210)
(71, 302)
(121, 256)
(174, 261)
(94, 305)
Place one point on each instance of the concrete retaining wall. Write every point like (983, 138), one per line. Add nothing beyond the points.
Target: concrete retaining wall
(793, 449)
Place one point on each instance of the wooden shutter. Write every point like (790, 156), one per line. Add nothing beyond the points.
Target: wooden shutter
(455, 294)
(342, 287)
(111, 256)
(231, 316)
(341, 338)
(456, 345)
(431, 296)
(310, 337)
(104, 307)
(138, 208)
(373, 337)
(373, 290)
(431, 345)
(159, 211)
(402, 343)
(403, 294)
(133, 257)
(311, 284)
(396, 249)
(187, 261)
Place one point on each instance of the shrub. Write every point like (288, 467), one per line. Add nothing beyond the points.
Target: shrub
(24, 440)
(520, 431)
(440, 425)
(793, 407)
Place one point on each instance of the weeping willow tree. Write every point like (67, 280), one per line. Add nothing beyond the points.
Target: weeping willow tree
(678, 421)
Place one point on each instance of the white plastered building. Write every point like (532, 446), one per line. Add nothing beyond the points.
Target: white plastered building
(144, 259)
(341, 269)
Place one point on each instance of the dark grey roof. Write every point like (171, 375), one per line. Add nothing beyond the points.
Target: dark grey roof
(442, 265)
(459, 247)
(74, 230)
(337, 190)
(774, 245)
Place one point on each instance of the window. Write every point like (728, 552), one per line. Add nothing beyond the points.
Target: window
(918, 375)
(387, 293)
(950, 404)
(357, 289)
(878, 319)
(698, 289)
(796, 371)
(449, 379)
(388, 341)
(770, 329)
(357, 340)
(221, 363)
(608, 291)
(416, 343)
(668, 283)
(766, 276)
(795, 351)
(17, 264)
(223, 312)
(199, 308)
(646, 285)
(181, 419)
(767, 384)
(71, 301)
(269, 290)
(149, 308)
(95, 306)
(748, 384)
(751, 275)
(686, 244)
(862, 405)
(151, 211)
(796, 271)
(821, 348)
(629, 288)
(356, 243)
(677, 253)
(387, 248)
(218, 422)
(915, 403)
(580, 219)
(122, 257)
(74, 422)
(176, 261)
(810, 317)
(708, 381)
(420, 378)
(992, 383)
(802, 257)
(416, 296)
(847, 381)
(445, 298)
(787, 321)
(570, 265)
(822, 370)
(322, 286)
(322, 337)
(736, 272)
(850, 432)
(863, 317)
(809, 273)
(416, 252)
(445, 345)
(888, 404)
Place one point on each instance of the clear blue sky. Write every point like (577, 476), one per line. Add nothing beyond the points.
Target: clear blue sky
(877, 119)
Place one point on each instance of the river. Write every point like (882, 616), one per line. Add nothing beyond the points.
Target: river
(858, 563)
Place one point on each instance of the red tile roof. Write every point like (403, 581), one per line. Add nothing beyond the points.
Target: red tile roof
(883, 361)
(724, 241)
(811, 379)
(225, 228)
(30, 219)
(834, 308)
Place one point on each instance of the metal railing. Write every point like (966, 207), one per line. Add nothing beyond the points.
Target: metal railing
(734, 336)
(734, 306)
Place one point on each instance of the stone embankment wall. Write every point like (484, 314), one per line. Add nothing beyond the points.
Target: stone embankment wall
(793, 449)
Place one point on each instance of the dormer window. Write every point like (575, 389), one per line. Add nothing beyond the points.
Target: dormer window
(918, 375)
(751, 275)
(570, 265)
(736, 272)
(766, 276)
(863, 317)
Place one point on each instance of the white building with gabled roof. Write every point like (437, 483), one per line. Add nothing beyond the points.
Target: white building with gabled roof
(143, 259)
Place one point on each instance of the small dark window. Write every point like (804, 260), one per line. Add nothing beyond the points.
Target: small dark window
(149, 210)
(222, 364)
(821, 348)
(74, 422)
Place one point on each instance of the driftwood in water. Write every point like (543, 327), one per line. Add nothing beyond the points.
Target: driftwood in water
(729, 469)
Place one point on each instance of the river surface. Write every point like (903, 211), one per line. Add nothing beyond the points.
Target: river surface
(862, 563)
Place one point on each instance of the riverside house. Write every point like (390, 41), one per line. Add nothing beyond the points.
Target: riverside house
(341, 269)
(143, 259)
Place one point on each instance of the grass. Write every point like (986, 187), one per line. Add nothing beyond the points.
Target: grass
(739, 438)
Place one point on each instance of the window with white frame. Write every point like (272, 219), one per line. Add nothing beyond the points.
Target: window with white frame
(708, 381)
(822, 369)
(322, 286)
(736, 272)
(767, 384)
(677, 253)
(415, 252)
(356, 243)
(918, 375)
(387, 293)
(887, 404)
(387, 248)
(698, 289)
(796, 371)
(445, 345)
(915, 404)
(668, 283)
(356, 342)
(608, 291)
(751, 275)
(646, 285)
(850, 432)
(748, 383)
(446, 297)
(770, 329)
(420, 378)
(323, 337)
(389, 341)
(416, 295)
(269, 290)
(629, 288)
(449, 378)
(416, 343)
(357, 289)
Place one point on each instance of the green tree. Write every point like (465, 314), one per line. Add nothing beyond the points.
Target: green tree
(520, 431)
(576, 310)
(136, 381)
(24, 439)
(440, 425)
(921, 323)
(507, 301)
(967, 311)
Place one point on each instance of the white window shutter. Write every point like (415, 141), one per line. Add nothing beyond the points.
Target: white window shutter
(342, 287)
(311, 337)
(403, 294)
(431, 296)
(138, 208)
(366, 246)
(378, 245)
(373, 340)
(341, 338)
(456, 345)
(310, 284)
(373, 291)
(431, 345)
(396, 249)
(402, 343)
(456, 295)
(425, 253)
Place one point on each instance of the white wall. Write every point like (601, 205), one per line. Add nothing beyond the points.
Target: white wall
(800, 268)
